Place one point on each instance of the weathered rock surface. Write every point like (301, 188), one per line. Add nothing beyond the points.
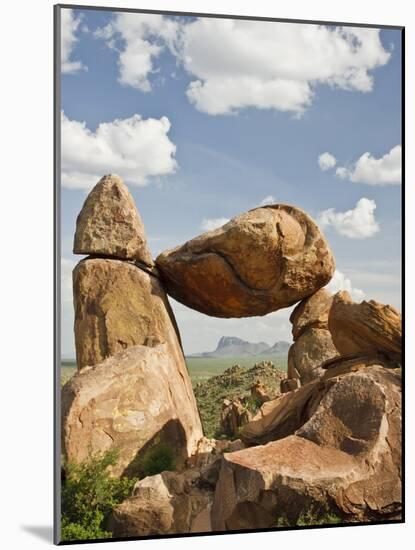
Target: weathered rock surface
(259, 393)
(233, 416)
(138, 398)
(289, 384)
(109, 223)
(261, 261)
(174, 502)
(312, 312)
(309, 351)
(166, 503)
(333, 447)
(368, 327)
(118, 305)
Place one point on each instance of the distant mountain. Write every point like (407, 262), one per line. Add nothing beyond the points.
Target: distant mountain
(278, 348)
(231, 346)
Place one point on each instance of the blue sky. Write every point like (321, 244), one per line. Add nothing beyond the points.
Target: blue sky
(269, 100)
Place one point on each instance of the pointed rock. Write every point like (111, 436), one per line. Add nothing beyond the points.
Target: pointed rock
(109, 223)
(366, 328)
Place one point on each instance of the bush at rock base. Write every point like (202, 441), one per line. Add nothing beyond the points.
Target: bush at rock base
(89, 494)
(156, 459)
(309, 517)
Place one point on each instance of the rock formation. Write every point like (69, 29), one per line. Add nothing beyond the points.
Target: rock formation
(369, 327)
(328, 446)
(261, 261)
(174, 502)
(313, 342)
(233, 416)
(118, 305)
(131, 401)
(110, 225)
(331, 447)
(133, 388)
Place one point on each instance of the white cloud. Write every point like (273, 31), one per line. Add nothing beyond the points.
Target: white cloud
(326, 161)
(341, 282)
(143, 37)
(135, 148)
(240, 63)
(69, 27)
(358, 223)
(373, 171)
(269, 199)
(236, 64)
(213, 223)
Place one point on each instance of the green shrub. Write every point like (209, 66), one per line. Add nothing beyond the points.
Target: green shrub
(89, 494)
(309, 517)
(155, 460)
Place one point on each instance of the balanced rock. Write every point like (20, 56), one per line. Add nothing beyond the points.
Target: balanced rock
(138, 398)
(118, 305)
(110, 225)
(261, 261)
(308, 352)
(368, 327)
(333, 448)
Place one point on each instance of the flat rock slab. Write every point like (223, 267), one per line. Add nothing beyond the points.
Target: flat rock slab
(110, 225)
(261, 261)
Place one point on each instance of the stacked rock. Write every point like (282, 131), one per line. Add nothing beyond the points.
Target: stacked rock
(313, 342)
(133, 386)
(330, 446)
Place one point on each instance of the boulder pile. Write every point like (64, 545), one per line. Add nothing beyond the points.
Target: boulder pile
(328, 447)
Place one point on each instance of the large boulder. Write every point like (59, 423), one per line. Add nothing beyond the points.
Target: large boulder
(312, 312)
(312, 340)
(261, 261)
(368, 327)
(165, 503)
(331, 449)
(118, 305)
(308, 352)
(137, 399)
(110, 225)
(174, 502)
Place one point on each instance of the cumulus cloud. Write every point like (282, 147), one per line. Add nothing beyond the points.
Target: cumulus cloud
(69, 27)
(368, 169)
(341, 282)
(236, 63)
(326, 161)
(358, 223)
(135, 148)
(213, 223)
(139, 39)
(240, 63)
(269, 199)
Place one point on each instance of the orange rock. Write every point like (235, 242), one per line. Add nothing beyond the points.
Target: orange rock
(261, 261)
(367, 328)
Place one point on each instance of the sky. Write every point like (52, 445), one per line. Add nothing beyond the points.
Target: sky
(205, 118)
